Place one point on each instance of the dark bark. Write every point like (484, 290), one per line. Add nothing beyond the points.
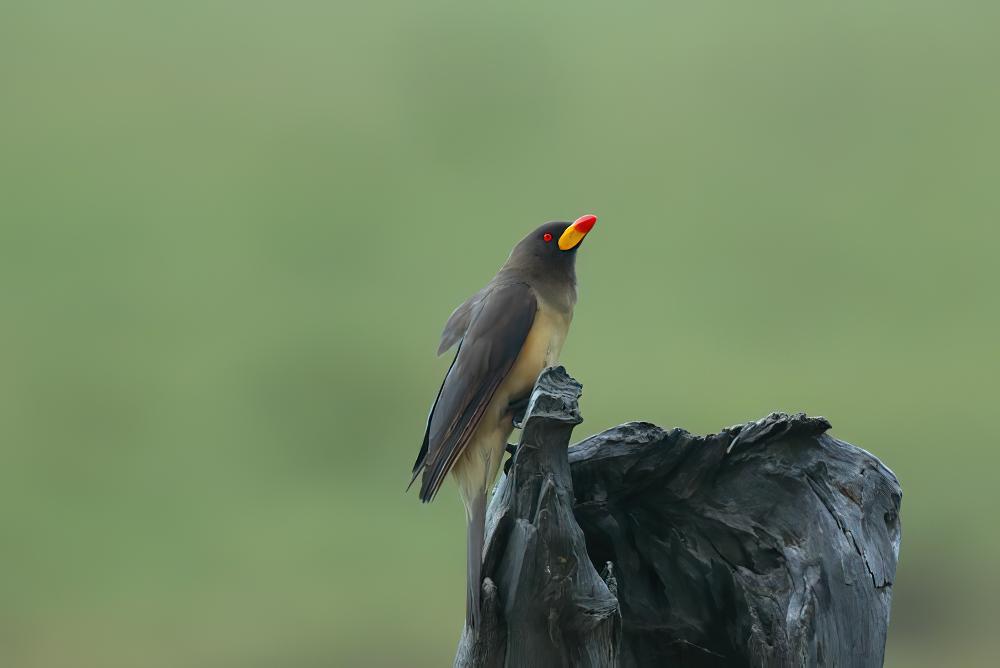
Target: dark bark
(770, 543)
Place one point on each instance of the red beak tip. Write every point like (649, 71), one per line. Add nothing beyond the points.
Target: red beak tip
(585, 223)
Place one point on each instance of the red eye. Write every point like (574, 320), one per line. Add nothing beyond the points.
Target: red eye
(547, 237)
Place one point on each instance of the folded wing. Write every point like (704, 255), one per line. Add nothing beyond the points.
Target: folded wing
(497, 330)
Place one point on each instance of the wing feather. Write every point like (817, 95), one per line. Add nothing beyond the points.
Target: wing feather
(458, 321)
(497, 330)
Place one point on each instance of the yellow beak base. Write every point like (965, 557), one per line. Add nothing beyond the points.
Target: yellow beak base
(570, 238)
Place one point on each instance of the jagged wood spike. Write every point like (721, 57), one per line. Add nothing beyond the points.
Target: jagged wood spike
(770, 543)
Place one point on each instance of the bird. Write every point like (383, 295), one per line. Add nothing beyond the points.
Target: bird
(507, 332)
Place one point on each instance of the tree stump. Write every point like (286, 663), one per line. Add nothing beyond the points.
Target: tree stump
(767, 544)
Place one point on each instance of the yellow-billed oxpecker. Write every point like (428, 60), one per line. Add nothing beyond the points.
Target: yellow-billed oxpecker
(506, 333)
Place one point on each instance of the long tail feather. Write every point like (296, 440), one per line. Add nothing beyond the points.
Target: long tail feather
(474, 570)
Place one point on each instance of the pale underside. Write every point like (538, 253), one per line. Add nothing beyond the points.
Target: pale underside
(477, 467)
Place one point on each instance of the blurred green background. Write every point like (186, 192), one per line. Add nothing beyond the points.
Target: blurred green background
(231, 233)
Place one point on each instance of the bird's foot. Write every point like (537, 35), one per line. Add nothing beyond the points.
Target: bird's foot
(517, 409)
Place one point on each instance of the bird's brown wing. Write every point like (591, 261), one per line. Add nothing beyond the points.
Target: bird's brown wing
(496, 333)
(458, 322)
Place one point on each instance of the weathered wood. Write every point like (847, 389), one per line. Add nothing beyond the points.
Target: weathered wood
(770, 543)
(555, 608)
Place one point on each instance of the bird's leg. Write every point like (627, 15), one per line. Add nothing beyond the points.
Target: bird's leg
(516, 409)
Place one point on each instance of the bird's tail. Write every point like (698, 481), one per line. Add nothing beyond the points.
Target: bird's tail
(476, 511)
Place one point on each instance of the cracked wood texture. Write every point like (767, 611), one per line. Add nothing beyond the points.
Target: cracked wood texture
(768, 544)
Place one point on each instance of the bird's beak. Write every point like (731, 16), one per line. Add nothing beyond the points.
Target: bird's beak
(575, 233)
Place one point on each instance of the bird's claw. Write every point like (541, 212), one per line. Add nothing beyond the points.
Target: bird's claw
(517, 410)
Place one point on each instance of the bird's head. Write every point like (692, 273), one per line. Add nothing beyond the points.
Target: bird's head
(552, 247)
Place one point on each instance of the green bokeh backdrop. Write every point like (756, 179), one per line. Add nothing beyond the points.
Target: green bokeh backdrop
(231, 231)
